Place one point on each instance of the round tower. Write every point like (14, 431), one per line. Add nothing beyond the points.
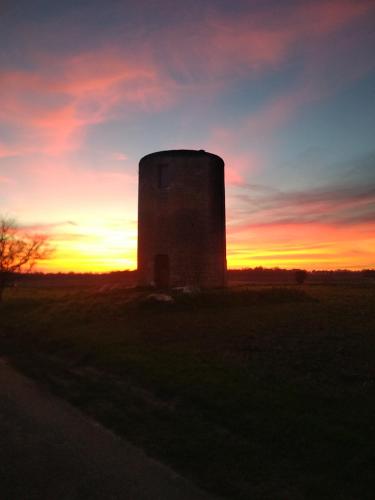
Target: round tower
(181, 219)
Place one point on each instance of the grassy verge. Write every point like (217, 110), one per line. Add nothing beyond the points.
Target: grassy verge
(260, 392)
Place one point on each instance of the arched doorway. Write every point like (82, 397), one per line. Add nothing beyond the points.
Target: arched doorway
(161, 271)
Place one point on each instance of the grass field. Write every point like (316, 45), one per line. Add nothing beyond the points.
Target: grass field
(259, 392)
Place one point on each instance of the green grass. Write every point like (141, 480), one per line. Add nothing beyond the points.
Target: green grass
(257, 392)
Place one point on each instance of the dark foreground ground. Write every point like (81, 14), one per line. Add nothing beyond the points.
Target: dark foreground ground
(51, 451)
(259, 393)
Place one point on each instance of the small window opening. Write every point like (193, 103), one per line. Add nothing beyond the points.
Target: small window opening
(163, 179)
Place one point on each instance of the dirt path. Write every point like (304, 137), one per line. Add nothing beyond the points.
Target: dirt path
(49, 450)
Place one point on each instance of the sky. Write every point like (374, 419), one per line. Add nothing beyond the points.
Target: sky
(283, 91)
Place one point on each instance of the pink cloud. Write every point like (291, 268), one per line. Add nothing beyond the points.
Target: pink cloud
(278, 110)
(68, 189)
(55, 104)
(251, 42)
(237, 164)
(323, 17)
(6, 152)
(330, 63)
(339, 206)
(119, 156)
(5, 180)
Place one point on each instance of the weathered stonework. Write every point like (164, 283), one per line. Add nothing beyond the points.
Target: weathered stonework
(181, 219)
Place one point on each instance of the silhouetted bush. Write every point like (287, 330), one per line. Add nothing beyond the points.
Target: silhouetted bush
(300, 276)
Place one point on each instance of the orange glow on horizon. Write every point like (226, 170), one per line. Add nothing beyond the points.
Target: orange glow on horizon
(92, 249)
(310, 246)
(105, 249)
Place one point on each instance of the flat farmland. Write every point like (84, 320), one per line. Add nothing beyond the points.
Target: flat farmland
(261, 392)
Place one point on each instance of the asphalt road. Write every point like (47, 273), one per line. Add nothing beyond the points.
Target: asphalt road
(50, 451)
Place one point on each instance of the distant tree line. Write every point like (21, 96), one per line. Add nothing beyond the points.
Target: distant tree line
(278, 275)
(123, 278)
(248, 275)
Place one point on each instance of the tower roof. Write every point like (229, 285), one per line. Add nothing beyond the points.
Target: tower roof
(183, 153)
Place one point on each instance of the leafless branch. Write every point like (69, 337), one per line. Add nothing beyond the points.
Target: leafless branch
(19, 252)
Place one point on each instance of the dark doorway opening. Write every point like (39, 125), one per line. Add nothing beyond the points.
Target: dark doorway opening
(161, 271)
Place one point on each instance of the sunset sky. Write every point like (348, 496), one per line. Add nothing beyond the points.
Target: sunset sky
(283, 91)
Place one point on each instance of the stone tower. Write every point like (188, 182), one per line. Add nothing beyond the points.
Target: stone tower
(181, 219)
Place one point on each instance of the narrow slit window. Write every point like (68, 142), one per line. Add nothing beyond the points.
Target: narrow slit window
(163, 180)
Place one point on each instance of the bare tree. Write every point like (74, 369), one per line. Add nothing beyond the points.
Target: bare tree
(18, 252)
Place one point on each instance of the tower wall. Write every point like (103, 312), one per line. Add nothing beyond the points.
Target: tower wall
(181, 219)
